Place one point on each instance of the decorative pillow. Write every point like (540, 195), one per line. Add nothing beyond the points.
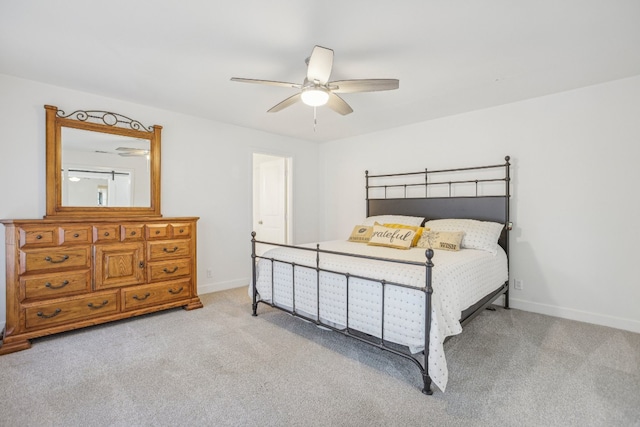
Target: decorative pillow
(399, 238)
(361, 234)
(394, 219)
(445, 240)
(482, 235)
(418, 230)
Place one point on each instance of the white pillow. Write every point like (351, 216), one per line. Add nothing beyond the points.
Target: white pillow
(394, 219)
(482, 235)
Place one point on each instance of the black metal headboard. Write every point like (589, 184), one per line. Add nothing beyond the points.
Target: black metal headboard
(474, 204)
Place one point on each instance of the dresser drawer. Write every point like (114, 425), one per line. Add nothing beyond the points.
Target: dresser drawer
(54, 285)
(106, 233)
(132, 232)
(75, 234)
(73, 309)
(167, 249)
(38, 236)
(180, 230)
(168, 270)
(158, 231)
(148, 295)
(54, 258)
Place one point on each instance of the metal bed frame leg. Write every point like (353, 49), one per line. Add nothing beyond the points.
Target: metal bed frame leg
(427, 321)
(427, 384)
(254, 294)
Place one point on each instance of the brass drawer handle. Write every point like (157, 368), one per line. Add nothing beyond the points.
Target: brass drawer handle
(133, 233)
(136, 297)
(63, 259)
(181, 230)
(49, 316)
(141, 264)
(172, 271)
(105, 302)
(157, 231)
(175, 248)
(171, 291)
(106, 233)
(62, 285)
(76, 235)
(39, 236)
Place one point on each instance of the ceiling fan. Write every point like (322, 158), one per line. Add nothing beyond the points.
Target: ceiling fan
(317, 90)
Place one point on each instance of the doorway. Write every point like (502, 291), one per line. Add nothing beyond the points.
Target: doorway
(271, 198)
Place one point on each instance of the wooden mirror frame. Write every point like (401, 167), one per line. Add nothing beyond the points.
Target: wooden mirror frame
(56, 120)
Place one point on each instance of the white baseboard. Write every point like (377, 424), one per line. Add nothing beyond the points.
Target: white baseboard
(206, 288)
(571, 314)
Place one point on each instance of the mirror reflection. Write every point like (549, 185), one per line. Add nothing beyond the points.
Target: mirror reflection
(104, 170)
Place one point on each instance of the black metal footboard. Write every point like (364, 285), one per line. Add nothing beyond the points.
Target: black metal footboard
(381, 343)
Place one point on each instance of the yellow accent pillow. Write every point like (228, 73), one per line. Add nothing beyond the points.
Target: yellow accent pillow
(361, 234)
(418, 230)
(445, 240)
(399, 238)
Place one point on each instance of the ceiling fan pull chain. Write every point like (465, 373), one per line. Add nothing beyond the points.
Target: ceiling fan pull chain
(315, 118)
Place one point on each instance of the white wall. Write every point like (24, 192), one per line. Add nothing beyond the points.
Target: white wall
(575, 206)
(574, 157)
(206, 172)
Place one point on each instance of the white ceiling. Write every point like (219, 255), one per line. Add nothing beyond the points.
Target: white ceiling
(450, 56)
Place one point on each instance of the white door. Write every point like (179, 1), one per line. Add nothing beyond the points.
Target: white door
(120, 190)
(270, 198)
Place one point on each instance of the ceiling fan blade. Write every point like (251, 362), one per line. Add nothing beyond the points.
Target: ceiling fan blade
(284, 104)
(320, 65)
(129, 151)
(266, 82)
(364, 85)
(338, 104)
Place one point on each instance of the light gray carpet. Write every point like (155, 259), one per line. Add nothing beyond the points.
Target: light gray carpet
(220, 366)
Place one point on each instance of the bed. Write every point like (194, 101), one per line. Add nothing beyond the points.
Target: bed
(435, 254)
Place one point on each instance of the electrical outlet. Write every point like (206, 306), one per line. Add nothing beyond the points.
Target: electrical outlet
(209, 274)
(518, 284)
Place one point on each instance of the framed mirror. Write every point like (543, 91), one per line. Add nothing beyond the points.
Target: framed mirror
(101, 164)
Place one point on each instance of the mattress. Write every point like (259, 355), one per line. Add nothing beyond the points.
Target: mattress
(459, 280)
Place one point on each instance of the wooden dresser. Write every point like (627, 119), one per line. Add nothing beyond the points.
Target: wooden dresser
(65, 274)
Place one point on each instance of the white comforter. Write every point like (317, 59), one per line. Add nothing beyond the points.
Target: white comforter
(460, 279)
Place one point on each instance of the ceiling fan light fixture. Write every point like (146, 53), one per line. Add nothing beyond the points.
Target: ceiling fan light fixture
(315, 96)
